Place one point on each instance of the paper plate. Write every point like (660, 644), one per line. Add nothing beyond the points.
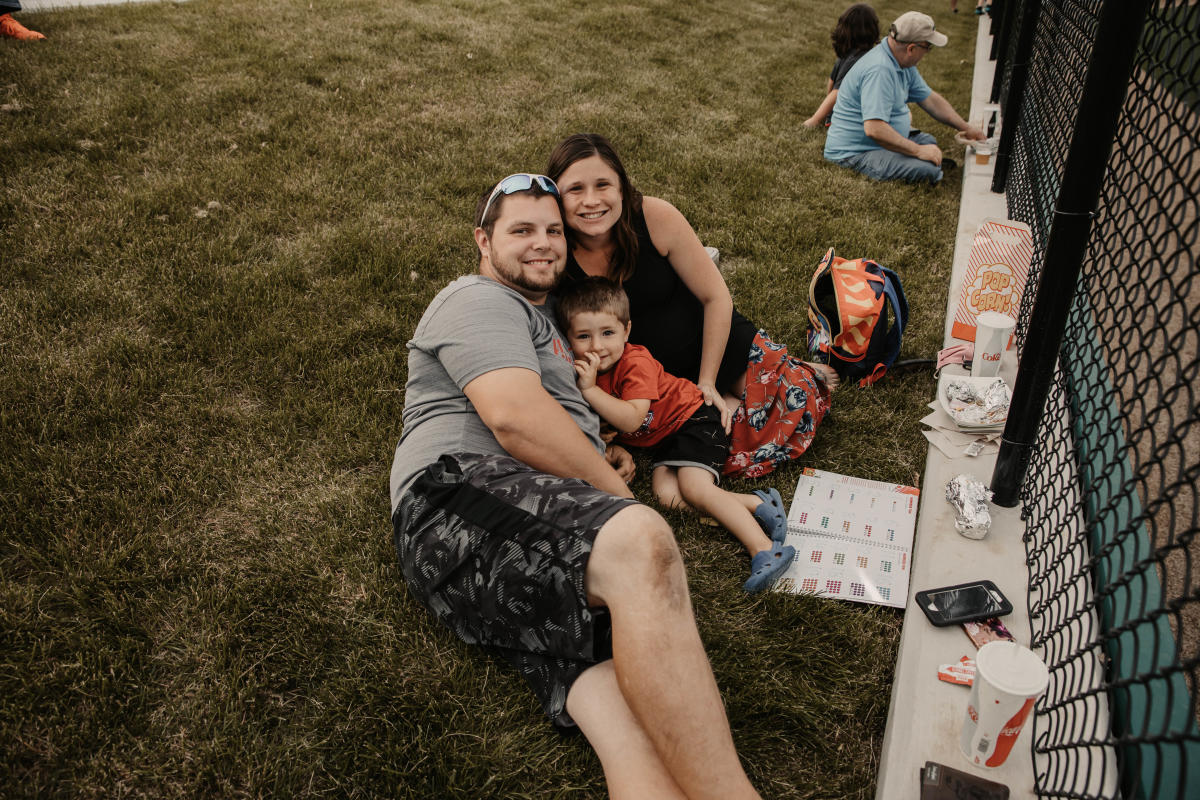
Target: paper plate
(992, 143)
(979, 384)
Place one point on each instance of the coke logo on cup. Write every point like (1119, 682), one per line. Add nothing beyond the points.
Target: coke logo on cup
(990, 356)
(1012, 730)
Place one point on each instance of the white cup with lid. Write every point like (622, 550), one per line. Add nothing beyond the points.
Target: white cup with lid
(992, 330)
(1008, 679)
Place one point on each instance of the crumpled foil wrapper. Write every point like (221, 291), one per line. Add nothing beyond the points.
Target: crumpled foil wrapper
(970, 498)
(970, 407)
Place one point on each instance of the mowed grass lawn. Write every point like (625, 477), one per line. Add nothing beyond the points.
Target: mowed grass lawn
(219, 224)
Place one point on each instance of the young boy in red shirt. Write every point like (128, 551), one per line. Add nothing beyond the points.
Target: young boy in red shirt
(649, 408)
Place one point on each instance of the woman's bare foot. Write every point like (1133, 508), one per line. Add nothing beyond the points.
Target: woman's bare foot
(825, 374)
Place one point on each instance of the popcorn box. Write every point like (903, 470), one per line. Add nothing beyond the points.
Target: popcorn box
(996, 272)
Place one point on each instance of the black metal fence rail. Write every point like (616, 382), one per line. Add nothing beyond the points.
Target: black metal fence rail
(1110, 491)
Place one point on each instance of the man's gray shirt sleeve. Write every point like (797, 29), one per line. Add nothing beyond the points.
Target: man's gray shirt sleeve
(472, 327)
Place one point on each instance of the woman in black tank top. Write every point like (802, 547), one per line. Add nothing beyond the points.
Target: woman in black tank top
(680, 307)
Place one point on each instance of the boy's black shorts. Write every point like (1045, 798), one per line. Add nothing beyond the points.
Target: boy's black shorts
(699, 442)
(498, 553)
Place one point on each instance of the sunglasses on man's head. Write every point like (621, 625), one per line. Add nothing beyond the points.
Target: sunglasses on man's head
(520, 182)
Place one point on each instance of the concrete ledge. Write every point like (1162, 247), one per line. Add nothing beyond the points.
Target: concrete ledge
(50, 5)
(925, 716)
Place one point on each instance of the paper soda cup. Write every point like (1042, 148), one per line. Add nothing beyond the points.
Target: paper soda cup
(1008, 679)
(992, 330)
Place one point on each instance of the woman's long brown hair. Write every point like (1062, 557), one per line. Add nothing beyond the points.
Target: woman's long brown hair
(585, 145)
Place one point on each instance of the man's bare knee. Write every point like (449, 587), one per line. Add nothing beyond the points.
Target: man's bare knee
(635, 553)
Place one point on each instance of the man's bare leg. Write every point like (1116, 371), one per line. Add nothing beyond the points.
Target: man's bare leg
(632, 767)
(661, 668)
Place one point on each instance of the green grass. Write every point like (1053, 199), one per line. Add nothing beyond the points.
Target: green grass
(219, 223)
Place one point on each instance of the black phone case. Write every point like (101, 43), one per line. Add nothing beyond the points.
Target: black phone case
(922, 599)
(939, 782)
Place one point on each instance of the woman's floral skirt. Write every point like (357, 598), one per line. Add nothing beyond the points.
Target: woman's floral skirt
(784, 403)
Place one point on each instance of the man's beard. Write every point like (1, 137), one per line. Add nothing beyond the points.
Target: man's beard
(515, 275)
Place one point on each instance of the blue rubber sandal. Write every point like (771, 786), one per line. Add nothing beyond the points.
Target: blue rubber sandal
(767, 567)
(770, 515)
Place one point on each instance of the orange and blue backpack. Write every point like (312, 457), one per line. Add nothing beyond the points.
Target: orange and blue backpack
(856, 317)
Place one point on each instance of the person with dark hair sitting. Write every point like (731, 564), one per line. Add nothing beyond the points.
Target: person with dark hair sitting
(10, 27)
(856, 32)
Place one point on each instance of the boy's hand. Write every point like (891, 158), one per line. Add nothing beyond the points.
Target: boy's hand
(585, 370)
(608, 433)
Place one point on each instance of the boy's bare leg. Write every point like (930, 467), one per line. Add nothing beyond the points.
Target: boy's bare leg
(665, 483)
(661, 668)
(632, 767)
(734, 511)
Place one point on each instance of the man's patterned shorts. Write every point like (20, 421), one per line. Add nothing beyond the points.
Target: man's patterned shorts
(498, 552)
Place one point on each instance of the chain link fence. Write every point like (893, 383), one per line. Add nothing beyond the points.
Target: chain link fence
(1110, 495)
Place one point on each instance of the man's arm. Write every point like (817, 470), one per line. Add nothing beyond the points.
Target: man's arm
(532, 427)
(940, 109)
(888, 138)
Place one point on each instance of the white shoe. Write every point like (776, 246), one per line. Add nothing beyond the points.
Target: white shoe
(715, 255)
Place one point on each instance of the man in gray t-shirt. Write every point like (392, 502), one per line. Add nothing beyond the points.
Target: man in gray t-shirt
(474, 326)
(514, 530)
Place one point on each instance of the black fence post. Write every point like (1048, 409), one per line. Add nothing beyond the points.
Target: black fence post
(1118, 36)
(998, 18)
(1016, 91)
(1008, 20)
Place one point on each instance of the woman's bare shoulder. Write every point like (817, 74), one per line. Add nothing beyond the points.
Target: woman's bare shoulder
(658, 210)
(664, 222)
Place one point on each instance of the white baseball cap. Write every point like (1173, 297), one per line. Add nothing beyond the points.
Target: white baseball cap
(914, 27)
